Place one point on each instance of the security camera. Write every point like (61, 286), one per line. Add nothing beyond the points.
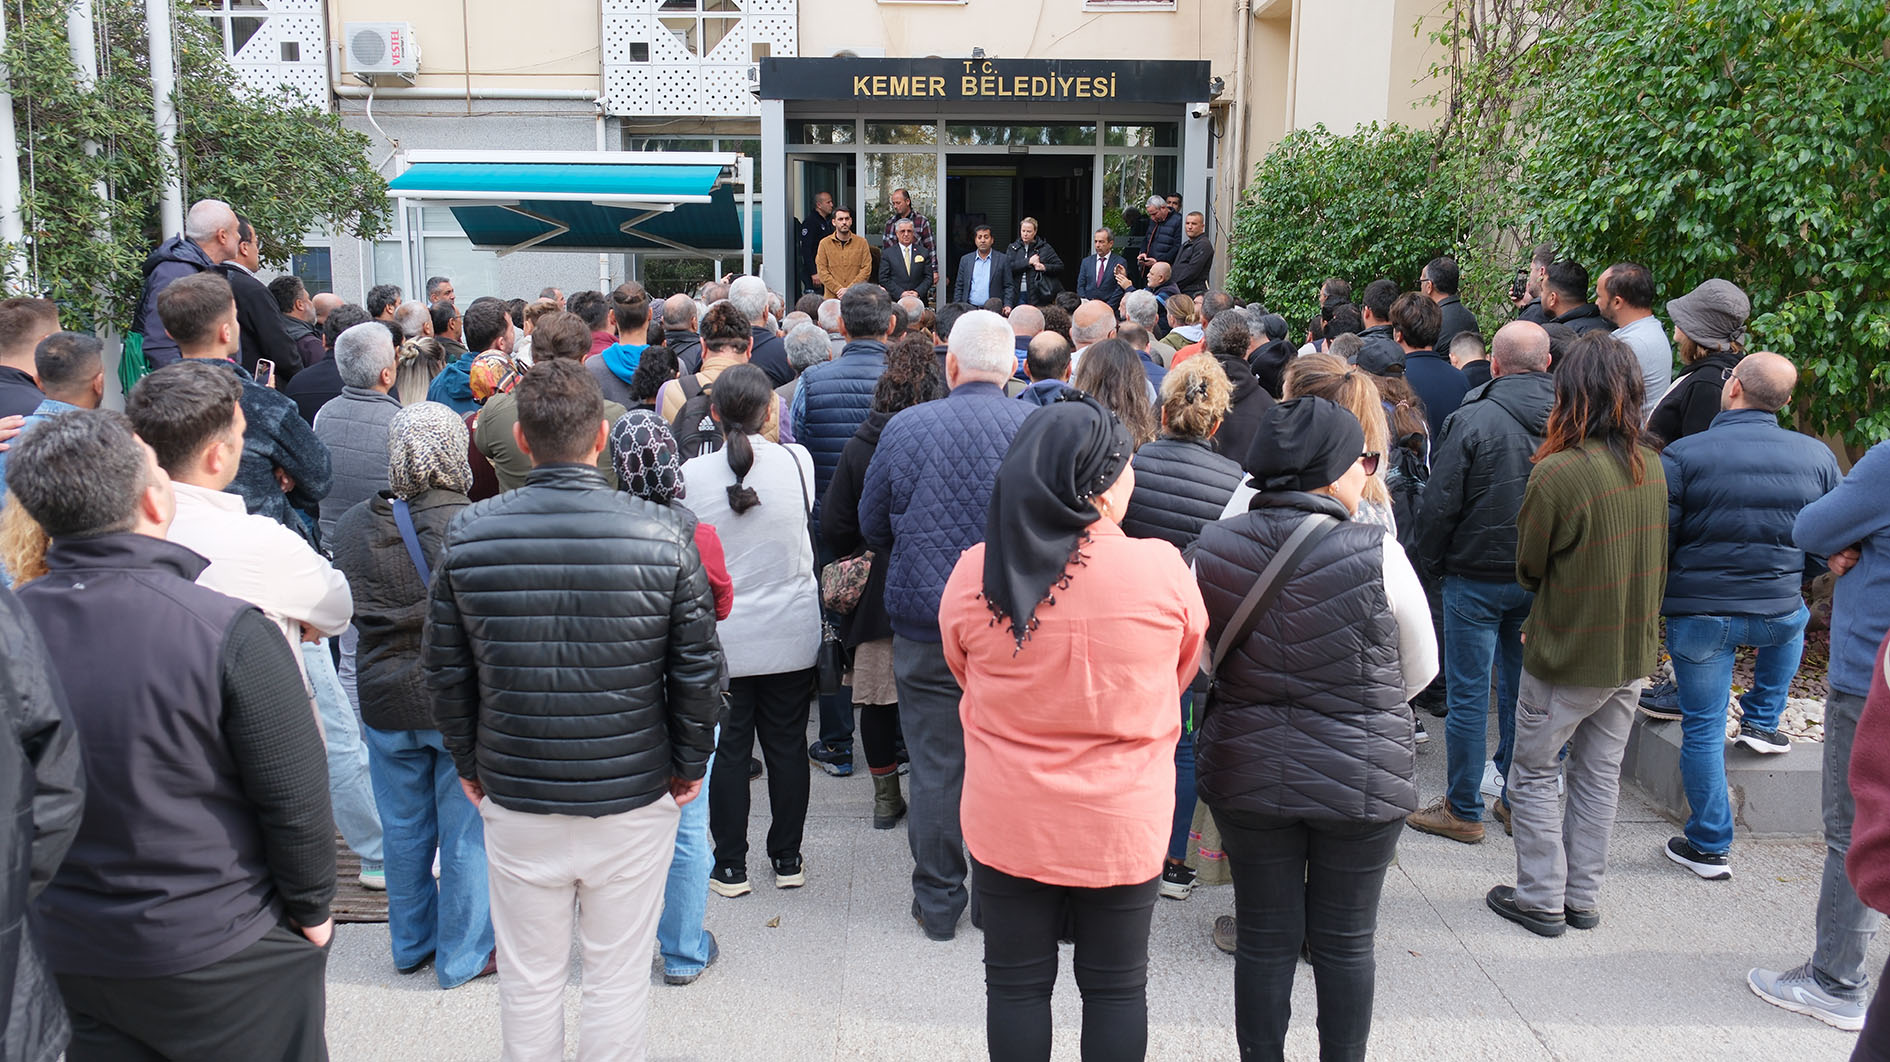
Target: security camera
(1197, 110)
(754, 79)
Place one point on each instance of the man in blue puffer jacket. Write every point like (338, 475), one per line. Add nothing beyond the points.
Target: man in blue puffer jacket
(1734, 492)
(922, 505)
(830, 403)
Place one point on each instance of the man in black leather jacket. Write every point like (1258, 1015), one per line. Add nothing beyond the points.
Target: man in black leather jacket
(570, 647)
(1467, 537)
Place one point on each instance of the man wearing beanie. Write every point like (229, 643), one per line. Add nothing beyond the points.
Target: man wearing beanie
(1709, 323)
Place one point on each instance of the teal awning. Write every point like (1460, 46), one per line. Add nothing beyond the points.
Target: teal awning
(632, 202)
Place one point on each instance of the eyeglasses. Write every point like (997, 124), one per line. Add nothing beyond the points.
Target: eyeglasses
(1369, 462)
(1726, 374)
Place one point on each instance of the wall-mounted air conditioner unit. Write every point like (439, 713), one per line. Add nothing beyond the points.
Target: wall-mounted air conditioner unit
(376, 52)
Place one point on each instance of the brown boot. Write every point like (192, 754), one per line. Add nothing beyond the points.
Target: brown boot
(889, 805)
(1440, 820)
(1501, 811)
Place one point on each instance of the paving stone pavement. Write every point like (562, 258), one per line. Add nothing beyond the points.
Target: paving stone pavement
(846, 975)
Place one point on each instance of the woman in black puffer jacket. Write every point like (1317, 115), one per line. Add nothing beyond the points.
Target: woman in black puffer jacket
(1181, 485)
(1305, 752)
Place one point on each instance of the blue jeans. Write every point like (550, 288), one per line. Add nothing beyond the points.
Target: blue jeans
(349, 788)
(1702, 648)
(1482, 633)
(1184, 783)
(423, 807)
(679, 932)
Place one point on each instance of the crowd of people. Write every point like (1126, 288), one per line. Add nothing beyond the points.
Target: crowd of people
(1113, 584)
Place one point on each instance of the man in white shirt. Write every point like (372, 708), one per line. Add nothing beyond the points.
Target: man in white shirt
(1625, 296)
(190, 413)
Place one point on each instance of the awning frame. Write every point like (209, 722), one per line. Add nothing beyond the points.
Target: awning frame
(737, 170)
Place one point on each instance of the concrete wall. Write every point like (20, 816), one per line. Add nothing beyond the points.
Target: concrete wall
(543, 45)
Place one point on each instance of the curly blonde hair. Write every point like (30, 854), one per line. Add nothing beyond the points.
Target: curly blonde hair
(22, 543)
(1196, 396)
(1326, 376)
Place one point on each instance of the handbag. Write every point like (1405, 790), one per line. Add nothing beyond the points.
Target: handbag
(843, 581)
(830, 660)
(1265, 591)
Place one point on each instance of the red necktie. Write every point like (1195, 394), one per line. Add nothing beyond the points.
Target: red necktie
(1100, 262)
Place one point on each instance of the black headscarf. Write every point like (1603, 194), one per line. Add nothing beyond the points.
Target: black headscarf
(1304, 444)
(1044, 501)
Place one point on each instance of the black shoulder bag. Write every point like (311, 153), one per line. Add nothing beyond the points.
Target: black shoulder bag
(1266, 590)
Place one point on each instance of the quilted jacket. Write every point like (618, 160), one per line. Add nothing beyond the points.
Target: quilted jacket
(353, 425)
(1308, 719)
(570, 647)
(1181, 486)
(1734, 491)
(831, 403)
(1466, 525)
(926, 493)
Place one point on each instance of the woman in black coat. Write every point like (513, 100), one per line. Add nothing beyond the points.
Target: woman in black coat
(1708, 324)
(416, 785)
(1305, 753)
(40, 761)
(912, 376)
(1181, 486)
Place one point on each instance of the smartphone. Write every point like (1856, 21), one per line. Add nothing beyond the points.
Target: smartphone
(1519, 286)
(265, 372)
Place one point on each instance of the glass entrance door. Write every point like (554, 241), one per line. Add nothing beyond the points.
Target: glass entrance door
(808, 176)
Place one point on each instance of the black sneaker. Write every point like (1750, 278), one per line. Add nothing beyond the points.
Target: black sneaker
(729, 881)
(1712, 867)
(1177, 880)
(754, 768)
(788, 873)
(1770, 742)
(834, 761)
(1502, 900)
(1661, 701)
(1421, 736)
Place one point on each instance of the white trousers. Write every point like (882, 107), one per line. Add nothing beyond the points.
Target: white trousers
(613, 867)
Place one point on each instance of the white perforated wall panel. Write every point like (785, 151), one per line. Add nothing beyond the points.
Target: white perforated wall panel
(652, 67)
(261, 63)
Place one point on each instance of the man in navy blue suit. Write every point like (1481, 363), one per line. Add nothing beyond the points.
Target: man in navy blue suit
(1097, 279)
(985, 274)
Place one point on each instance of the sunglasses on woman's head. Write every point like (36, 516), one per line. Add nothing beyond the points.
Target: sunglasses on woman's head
(1369, 462)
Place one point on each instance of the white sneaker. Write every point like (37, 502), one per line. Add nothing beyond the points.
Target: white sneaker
(1492, 781)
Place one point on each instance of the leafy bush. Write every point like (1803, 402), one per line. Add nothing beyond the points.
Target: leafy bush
(1358, 207)
(1742, 139)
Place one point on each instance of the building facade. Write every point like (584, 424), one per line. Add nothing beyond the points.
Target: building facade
(1069, 111)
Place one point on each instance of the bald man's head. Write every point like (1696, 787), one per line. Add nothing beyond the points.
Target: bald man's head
(1519, 346)
(1092, 322)
(325, 303)
(1158, 274)
(1026, 320)
(679, 313)
(1762, 380)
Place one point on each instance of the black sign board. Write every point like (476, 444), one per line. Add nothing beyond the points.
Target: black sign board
(985, 80)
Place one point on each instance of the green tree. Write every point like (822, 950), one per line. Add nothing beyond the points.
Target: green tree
(1745, 139)
(289, 168)
(1357, 207)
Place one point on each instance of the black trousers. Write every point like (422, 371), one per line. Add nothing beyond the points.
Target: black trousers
(1023, 920)
(772, 709)
(1313, 882)
(263, 1004)
(879, 736)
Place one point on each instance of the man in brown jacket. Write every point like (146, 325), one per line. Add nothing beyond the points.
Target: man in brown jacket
(843, 259)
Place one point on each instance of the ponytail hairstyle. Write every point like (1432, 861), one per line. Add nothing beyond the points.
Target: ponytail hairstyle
(740, 398)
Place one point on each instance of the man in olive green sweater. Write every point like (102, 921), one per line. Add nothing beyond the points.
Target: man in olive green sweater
(1592, 544)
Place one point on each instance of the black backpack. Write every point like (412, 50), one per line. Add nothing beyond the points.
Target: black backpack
(696, 432)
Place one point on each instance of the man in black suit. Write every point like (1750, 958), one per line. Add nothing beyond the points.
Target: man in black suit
(1195, 258)
(904, 267)
(258, 319)
(1097, 277)
(985, 273)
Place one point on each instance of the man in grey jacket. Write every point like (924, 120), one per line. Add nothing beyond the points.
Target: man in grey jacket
(353, 424)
